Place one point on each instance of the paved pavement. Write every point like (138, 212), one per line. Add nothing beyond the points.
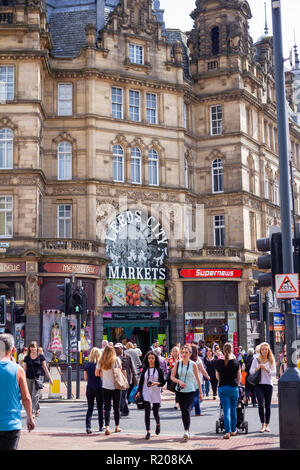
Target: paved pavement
(47, 437)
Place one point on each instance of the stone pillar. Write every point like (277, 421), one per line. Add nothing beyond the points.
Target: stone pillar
(32, 305)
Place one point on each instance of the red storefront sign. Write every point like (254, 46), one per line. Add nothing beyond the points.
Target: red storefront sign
(236, 344)
(189, 337)
(210, 273)
(13, 267)
(67, 268)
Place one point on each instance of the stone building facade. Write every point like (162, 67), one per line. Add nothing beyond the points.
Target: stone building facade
(110, 122)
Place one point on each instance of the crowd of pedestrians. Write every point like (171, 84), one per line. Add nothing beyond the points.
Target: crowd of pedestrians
(193, 369)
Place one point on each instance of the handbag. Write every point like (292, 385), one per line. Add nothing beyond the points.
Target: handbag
(254, 379)
(37, 381)
(171, 386)
(120, 380)
(140, 403)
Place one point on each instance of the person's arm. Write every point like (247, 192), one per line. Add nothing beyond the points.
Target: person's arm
(253, 367)
(26, 398)
(141, 384)
(196, 373)
(44, 365)
(203, 370)
(239, 376)
(85, 376)
(134, 371)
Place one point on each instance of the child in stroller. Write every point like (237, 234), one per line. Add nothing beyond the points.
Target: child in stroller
(242, 425)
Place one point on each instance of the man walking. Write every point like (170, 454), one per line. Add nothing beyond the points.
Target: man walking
(131, 374)
(12, 384)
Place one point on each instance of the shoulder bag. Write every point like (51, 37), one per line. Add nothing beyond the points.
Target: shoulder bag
(120, 380)
(37, 381)
(171, 386)
(254, 379)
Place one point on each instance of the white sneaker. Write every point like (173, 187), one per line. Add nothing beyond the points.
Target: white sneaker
(186, 436)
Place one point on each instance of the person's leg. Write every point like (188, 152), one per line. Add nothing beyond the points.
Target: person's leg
(156, 407)
(186, 404)
(99, 400)
(35, 399)
(196, 403)
(233, 396)
(214, 385)
(116, 406)
(268, 400)
(259, 393)
(9, 440)
(207, 385)
(225, 402)
(90, 395)
(123, 401)
(147, 416)
(107, 396)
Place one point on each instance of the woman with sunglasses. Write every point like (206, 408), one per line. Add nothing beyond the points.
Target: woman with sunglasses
(187, 377)
(151, 381)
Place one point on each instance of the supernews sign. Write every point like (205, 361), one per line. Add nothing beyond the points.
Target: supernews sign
(210, 273)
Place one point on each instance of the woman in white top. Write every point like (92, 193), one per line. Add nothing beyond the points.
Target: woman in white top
(105, 367)
(264, 390)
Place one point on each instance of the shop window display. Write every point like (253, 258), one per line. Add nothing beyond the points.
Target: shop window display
(55, 336)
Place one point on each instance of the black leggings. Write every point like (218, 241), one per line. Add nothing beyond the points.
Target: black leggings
(186, 401)
(264, 397)
(115, 396)
(156, 407)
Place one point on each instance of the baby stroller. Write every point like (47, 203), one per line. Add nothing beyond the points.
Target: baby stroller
(242, 425)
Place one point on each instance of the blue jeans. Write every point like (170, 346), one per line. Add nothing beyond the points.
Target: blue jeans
(229, 397)
(206, 385)
(196, 403)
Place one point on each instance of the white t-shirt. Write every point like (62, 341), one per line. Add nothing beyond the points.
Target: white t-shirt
(151, 394)
(108, 376)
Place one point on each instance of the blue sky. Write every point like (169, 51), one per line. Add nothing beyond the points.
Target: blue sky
(177, 15)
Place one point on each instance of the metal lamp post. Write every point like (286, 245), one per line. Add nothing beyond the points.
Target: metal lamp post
(289, 383)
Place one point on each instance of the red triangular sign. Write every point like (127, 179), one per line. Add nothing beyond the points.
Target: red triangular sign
(287, 286)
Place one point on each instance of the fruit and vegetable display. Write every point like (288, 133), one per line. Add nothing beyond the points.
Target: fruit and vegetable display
(135, 293)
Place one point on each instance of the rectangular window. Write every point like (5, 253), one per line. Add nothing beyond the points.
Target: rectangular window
(6, 216)
(134, 105)
(65, 99)
(117, 102)
(64, 224)
(216, 120)
(219, 230)
(151, 108)
(136, 54)
(184, 115)
(7, 82)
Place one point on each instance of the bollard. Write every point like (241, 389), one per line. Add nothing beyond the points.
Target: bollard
(54, 390)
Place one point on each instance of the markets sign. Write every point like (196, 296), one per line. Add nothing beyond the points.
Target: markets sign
(138, 247)
(210, 273)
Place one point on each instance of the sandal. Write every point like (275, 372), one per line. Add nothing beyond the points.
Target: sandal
(226, 436)
(107, 432)
(118, 429)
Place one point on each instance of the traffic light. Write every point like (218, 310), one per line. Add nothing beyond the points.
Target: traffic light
(256, 306)
(20, 315)
(2, 310)
(272, 261)
(65, 297)
(77, 302)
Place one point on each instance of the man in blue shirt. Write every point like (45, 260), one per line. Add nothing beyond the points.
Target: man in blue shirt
(13, 389)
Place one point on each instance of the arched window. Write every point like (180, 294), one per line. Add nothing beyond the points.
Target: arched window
(153, 167)
(136, 165)
(215, 40)
(118, 163)
(6, 148)
(217, 176)
(64, 158)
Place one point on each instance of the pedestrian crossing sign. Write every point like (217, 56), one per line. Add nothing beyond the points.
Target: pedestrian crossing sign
(287, 286)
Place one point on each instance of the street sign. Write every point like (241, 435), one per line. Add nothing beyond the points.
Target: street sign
(287, 286)
(296, 307)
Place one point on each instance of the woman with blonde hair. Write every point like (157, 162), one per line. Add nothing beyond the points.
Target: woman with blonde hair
(105, 367)
(93, 390)
(171, 362)
(228, 374)
(264, 390)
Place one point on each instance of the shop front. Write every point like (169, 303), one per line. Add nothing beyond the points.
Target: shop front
(211, 306)
(134, 306)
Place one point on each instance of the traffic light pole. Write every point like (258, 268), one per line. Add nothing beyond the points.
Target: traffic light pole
(289, 383)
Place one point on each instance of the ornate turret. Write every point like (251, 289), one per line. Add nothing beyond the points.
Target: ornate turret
(220, 29)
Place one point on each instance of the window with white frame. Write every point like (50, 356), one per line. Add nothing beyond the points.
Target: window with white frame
(65, 99)
(117, 102)
(153, 167)
(276, 192)
(7, 82)
(136, 165)
(266, 185)
(151, 108)
(136, 54)
(185, 115)
(219, 230)
(134, 105)
(217, 176)
(118, 163)
(6, 148)
(6, 216)
(216, 120)
(64, 221)
(64, 161)
(186, 172)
